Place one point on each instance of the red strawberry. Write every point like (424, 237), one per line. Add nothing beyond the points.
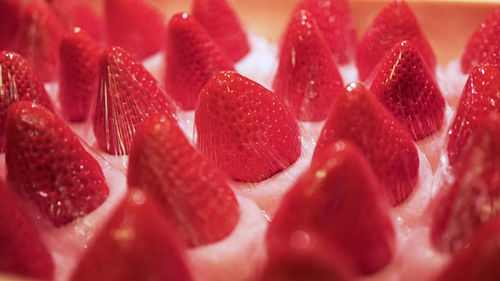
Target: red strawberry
(191, 193)
(136, 244)
(10, 18)
(22, 251)
(407, 88)
(357, 116)
(479, 97)
(307, 77)
(486, 37)
(396, 22)
(473, 197)
(127, 95)
(334, 19)
(192, 57)
(47, 164)
(39, 38)
(18, 82)
(340, 199)
(245, 128)
(219, 19)
(79, 56)
(134, 25)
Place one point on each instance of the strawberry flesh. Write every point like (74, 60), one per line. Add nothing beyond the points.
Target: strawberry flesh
(10, 18)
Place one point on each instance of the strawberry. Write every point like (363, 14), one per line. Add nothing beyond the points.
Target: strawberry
(407, 88)
(78, 56)
(473, 197)
(340, 198)
(191, 58)
(334, 19)
(18, 82)
(245, 128)
(195, 198)
(135, 244)
(48, 165)
(220, 21)
(127, 95)
(10, 18)
(357, 116)
(39, 38)
(22, 251)
(479, 97)
(307, 77)
(481, 42)
(134, 25)
(396, 22)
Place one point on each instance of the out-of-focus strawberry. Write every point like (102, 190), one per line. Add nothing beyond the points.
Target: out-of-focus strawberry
(10, 18)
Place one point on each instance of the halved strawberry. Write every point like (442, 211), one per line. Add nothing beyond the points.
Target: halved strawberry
(190, 191)
(39, 38)
(47, 164)
(136, 244)
(408, 89)
(479, 98)
(341, 200)
(473, 197)
(127, 95)
(10, 18)
(22, 251)
(78, 56)
(357, 116)
(134, 25)
(486, 37)
(245, 128)
(334, 19)
(396, 22)
(221, 22)
(307, 77)
(191, 58)
(18, 82)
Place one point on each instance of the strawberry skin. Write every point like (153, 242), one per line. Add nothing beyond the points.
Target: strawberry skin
(127, 95)
(307, 77)
(136, 244)
(479, 97)
(22, 251)
(407, 88)
(191, 193)
(19, 82)
(357, 116)
(220, 21)
(245, 129)
(10, 18)
(395, 23)
(79, 57)
(47, 164)
(340, 199)
(334, 19)
(191, 58)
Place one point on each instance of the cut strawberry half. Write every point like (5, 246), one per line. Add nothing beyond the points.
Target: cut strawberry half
(479, 98)
(78, 56)
(473, 197)
(18, 82)
(127, 95)
(395, 23)
(39, 38)
(48, 165)
(334, 19)
(407, 88)
(134, 25)
(192, 57)
(10, 18)
(245, 128)
(307, 77)
(340, 199)
(357, 116)
(189, 189)
(136, 244)
(22, 251)
(220, 21)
